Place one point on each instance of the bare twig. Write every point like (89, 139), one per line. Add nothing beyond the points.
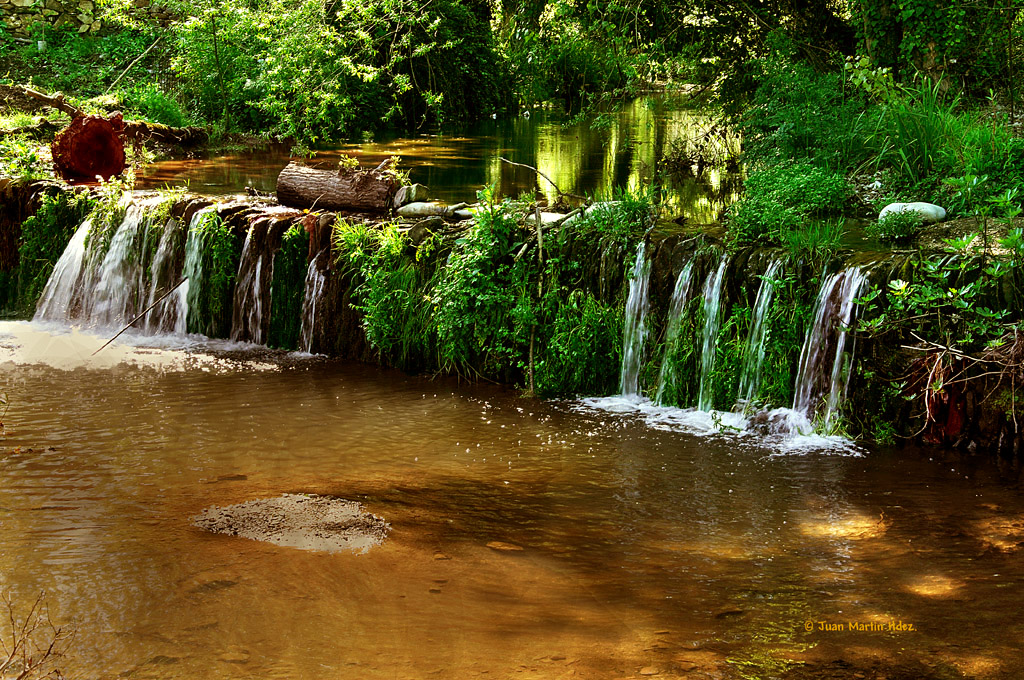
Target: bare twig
(550, 181)
(134, 62)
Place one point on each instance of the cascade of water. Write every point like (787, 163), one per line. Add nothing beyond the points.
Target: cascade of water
(824, 359)
(753, 356)
(192, 270)
(166, 317)
(58, 296)
(315, 280)
(248, 322)
(635, 334)
(113, 296)
(712, 322)
(680, 296)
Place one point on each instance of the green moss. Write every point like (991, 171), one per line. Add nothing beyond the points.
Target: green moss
(288, 289)
(44, 236)
(212, 282)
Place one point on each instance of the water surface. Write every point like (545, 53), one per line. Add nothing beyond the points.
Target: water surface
(642, 549)
(595, 157)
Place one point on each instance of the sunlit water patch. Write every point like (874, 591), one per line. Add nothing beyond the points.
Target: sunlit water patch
(68, 348)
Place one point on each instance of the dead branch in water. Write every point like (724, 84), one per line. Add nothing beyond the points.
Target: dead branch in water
(31, 646)
(550, 181)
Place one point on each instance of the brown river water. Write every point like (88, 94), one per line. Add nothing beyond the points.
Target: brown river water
(642, 551)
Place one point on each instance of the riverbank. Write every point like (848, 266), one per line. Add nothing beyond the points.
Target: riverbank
(789, 340)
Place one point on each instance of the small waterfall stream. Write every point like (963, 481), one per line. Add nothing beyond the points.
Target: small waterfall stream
(635, 334)
(56, 302)
(712, 322)
(315, 280)
(171, 314)
(192, 270)
(680, 296)
(825, 359)
(114, 296)
(250, 321)
(753, 357)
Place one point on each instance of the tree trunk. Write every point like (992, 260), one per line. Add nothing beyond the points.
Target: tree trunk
(299, 186)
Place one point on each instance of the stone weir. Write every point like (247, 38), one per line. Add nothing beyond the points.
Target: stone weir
(596, 302)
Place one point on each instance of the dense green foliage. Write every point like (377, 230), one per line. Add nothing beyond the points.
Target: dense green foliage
(483, 303)
(781, 206)
(216, 251)
(44, 236)
(289, 289)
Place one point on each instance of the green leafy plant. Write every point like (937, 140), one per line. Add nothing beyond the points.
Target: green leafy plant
(43, 239)
(896, 227)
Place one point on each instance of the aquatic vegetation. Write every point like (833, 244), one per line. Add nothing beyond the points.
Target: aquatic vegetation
(289, 288)
(217, 250)
(43, 239)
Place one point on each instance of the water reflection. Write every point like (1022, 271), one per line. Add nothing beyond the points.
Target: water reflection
(641, 549)
(623, 150)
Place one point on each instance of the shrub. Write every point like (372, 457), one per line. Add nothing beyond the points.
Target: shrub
(896, 227)
(798, 113)
(153, 104)
(783, 199)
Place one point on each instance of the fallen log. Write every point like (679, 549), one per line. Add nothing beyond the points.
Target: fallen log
(90, 147)
(299, 186)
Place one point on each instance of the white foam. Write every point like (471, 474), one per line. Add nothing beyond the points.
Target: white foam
(782, 431)
(54, 344)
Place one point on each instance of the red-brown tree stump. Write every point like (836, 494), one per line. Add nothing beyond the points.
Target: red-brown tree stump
(91, 147)
(299, 186)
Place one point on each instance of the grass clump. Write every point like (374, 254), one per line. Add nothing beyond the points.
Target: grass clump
(896, 227)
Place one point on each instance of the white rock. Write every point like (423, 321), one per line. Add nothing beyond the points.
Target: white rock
(422, 209)
(412, 193)
(545, 218)
(929, 212)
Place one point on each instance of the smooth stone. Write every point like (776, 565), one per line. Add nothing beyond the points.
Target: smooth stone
(463, 214)
(546, 218)
(411, 193)
(590, 210)
(422, 209)
(505, 547)
(929, 212)
(419, 232)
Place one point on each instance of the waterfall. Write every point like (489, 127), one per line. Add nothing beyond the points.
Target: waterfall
(636, 327)
(113, 294)
(169, 315)
(824, 360)
(315, 280)
(56, 302)
(753, 356)
(193, 271)
(251, 314)
(712, 322)
(680, 296)
(102, 286)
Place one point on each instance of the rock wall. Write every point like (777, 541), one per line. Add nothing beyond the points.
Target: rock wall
(19, 16)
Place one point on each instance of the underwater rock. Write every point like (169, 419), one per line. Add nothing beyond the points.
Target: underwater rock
(308, 522)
